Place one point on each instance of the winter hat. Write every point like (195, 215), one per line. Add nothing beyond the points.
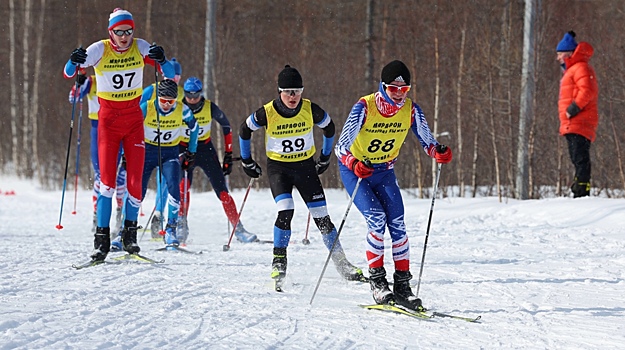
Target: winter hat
(395, 70)
(119, 17)
(289, 78)
(567, 43)
(177, 66)
(193, 84)
(168, 88)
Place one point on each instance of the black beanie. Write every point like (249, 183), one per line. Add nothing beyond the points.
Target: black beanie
(168, 88)
(289, 78)
(395, 70)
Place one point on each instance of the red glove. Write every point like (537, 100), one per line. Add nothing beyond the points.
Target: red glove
(362, 169)
(443, 154)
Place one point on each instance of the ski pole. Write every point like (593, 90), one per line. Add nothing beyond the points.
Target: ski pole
(158, 137)
(77, 153)
(148, 224)
(227, 246)
(338, 233)
(227, 178)
(427, 231)
(305, 240)
(69, 145)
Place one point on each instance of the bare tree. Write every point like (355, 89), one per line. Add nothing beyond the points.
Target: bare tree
(14, 101)
(458, 112)
(34, 115)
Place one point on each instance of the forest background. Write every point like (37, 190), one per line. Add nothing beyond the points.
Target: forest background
(465, 58)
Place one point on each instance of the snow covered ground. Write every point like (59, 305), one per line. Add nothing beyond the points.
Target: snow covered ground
(543, 274)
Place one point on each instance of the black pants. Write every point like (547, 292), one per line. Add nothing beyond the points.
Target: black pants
(579, 151)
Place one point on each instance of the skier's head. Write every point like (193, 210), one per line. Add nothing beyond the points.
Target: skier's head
(290, 86)
(167, 94)
(193, 90)
(395, 82)
(121, 29)
(177, 69)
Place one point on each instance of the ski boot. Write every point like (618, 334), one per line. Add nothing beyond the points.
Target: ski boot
(244, 235)
(101, 243)
(118, 223)
(379, 286)
(129, 237)
(403, 292)
(171, 239)
(580, 189)
(116, 243)
(183, 230)
(155, 225)
(278, 267)
(345, 268)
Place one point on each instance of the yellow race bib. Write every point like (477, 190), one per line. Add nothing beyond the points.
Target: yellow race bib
(203, 118)
(289, 139)
(381, 137)
(120, 75)
(171, 126)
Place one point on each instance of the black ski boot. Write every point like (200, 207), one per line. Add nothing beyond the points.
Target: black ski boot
(345, 268)
(580, 189)
(379, 286)
(101, 243)
(129, 237)
(278, 266)
(403, 293)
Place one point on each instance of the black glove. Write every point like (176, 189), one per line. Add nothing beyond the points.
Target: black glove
(157, 54)
(78, 56)
(251, 168)
(572, 110)
(81, 79)
(323, 163)
(186, 160)
(227, 163)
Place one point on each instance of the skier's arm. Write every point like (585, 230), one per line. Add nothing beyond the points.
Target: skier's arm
(165, 67)
(420, 128)
(252, 123)
(94, 55)
(220, 117)
(189, 119)
(148, 91)
(323, 120)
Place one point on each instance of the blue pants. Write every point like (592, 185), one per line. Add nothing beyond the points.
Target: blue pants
(380, 202)
(171, 172)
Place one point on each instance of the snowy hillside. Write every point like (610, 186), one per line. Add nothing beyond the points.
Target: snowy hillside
(543, 274)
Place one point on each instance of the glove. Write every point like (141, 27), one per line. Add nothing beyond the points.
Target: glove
(323, 163)
(362, 169)
(251, 168)
(81, 79)
(187, 159)
(227, 163)
(157, 54)
(443, 154)
(78, 56)
(572, 110)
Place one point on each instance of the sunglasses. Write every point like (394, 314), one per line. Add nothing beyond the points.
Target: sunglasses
(292, 92)
(394, 88)
(166, 101)
(120, 32)
(192, 95)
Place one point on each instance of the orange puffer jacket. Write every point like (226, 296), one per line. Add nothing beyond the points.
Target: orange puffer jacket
(579, 84)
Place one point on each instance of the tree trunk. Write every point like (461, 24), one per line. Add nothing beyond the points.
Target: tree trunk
(527, 93)
(26, 101)
(459, 115)
(369, 61)
(34, 138)
(476, 130)
(436, 102)
(14, 99)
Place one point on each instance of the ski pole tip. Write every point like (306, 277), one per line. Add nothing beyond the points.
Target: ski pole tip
(59, 227)
(226, 247)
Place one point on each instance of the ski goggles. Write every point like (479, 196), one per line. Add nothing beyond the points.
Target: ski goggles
(166, 101)
(192, 95)
(120, 32)
(292, 92)
(394, 88)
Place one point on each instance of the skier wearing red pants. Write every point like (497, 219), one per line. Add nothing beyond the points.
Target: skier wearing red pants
(118, 64)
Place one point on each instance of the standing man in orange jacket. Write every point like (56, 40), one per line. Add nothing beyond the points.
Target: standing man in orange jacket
(577, 107)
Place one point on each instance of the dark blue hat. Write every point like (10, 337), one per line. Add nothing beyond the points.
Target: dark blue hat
(567, 43)
(177, 66)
